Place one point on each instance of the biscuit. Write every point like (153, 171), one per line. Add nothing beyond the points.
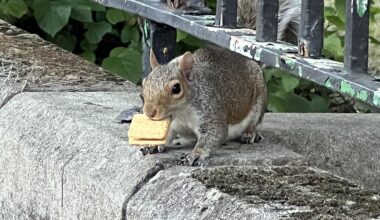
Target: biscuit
(134, 141)
(144, 131)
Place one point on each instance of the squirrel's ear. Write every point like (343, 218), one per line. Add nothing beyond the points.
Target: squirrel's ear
(153, 60)
(186, 65)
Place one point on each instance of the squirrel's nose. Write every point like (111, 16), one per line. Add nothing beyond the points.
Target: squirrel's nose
(153, 113)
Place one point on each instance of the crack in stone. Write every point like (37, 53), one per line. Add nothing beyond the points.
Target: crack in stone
(63, 174)
(151, 173)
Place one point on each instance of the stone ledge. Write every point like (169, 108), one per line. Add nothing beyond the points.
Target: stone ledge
(67, 143)
(29, 64)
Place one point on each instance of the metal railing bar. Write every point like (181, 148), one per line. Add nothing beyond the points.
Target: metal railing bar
(310, 42)
(325, 72)
(226, 13)
(356, 36)
(267, 20)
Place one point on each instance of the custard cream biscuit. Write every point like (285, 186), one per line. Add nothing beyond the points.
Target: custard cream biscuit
(144, 131)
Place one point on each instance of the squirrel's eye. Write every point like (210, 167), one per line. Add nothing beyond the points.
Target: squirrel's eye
(176, 88)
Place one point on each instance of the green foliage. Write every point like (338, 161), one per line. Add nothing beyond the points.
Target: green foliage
(107, 36)
(287, 94)
(96, 31)
(112, 39)
(51, 16)
(16, 8)
(125, 62)
(335, 26)
(115, 16)
(283, 97)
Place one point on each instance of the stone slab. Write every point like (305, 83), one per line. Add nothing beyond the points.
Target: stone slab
(29, 63)
(252, 192)
(62, 156)
(345, 144)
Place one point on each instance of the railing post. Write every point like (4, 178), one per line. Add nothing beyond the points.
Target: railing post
(162, 42)
(356, 38)
(310, 41)
(226, 13)
(146, 47)
(267, 20)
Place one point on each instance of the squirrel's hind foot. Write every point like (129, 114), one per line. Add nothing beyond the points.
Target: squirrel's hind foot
(250, 137)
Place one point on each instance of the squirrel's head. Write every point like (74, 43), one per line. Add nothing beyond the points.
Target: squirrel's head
(166, 88)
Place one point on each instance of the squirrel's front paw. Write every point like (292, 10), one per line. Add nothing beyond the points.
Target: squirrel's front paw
(152, 149)
(193, 159)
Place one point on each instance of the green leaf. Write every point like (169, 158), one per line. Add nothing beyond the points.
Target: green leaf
(289, 82)
(65, 40)
(374, 40)
(212, 5)
(137, 46)
(373, 12)
(51, 16)
(335, 20)
(130, 34)
(267, 75)
(17, 8)
(319, 104)
(3, 9)
(115, 16)
(97, 7)
(88, 55)
(124, 62)
(295, 103)
(96, 31)
(276, 104)
(100, 16)
(181, 35)
(81, 13)
(340, 7)
(333, 47)
(329, 11)
(87, 46)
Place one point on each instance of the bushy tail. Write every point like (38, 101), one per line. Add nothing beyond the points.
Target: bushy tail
(288, 16)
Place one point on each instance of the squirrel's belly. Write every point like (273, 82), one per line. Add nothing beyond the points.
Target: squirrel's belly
(237, 129)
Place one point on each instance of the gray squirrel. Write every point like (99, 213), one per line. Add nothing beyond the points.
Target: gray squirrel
(214, 95)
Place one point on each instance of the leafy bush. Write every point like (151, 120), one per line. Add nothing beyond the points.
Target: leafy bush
(107, 36)
(112, 39)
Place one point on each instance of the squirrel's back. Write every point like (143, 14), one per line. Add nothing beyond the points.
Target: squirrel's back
(239, 80)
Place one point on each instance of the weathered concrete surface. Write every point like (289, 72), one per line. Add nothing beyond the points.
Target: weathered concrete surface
(251, 192)
(63, 156)
(28, 63)
(174, 194)
(64, 151)
(346, 144)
